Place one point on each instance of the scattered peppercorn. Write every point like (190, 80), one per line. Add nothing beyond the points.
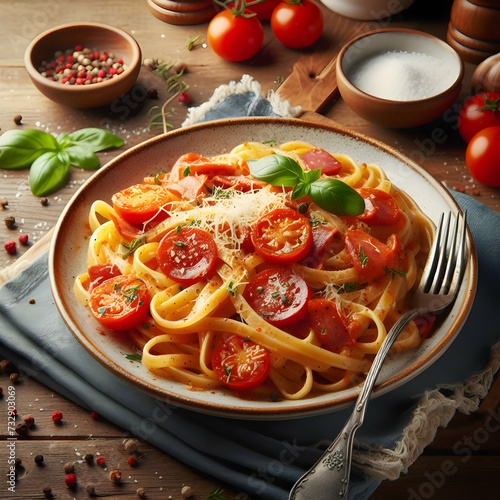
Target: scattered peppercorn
(152, 93)
(10, 246)
(29, 421)
(44, 202)
(187, 491)
(131, 461)
(94, 415)
(1, 392)
(18, 120)
(32, 301)
(141, 492)
(476, 192)
(22, 429)
(10, 221)
(23, 238)
(4, 203)
(6, 366)
(47, 491)
(57, 416)
(90, 489)
(130, 445)
(14, 377)
(184, 98)
(274, 396)
(69, 467)
(39, 459)
(303, 208)
(115, 476)
(100, 460)
(70, 480)
(89, 458)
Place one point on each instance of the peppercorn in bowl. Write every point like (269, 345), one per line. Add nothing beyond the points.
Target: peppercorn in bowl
(399, 78)
(85, 65)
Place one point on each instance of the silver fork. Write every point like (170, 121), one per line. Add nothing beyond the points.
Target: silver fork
(438, 287)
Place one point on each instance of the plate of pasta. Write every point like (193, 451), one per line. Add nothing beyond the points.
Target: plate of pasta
(252, 267)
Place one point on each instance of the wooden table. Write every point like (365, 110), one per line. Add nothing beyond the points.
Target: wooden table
(437, 147)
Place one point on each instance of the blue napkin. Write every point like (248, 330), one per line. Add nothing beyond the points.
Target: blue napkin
(264, 459)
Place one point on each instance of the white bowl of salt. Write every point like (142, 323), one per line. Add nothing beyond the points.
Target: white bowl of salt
(399, 78)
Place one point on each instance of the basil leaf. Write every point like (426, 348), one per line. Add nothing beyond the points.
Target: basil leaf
(276, 170)
(336, 197)
(95, 139)
(49, 173)
(300, 190)
(82, 157)
(20, 148)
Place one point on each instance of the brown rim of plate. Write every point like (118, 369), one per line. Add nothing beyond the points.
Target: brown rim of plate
(270, 412)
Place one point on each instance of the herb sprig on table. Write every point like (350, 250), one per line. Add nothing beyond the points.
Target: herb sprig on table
(49, 158)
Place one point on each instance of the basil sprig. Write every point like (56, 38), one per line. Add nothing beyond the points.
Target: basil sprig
(49, 158)
(332, 195)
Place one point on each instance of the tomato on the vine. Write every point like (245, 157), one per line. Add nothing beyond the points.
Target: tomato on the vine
(235, 35)
(121, 302)
(240, 363)
(479, 112)
(297, 23)
(263, 9)
(482, 156)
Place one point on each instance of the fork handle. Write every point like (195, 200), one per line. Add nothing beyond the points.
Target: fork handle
(329, 477)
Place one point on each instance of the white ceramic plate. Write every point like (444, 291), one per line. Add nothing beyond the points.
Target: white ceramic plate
(68, 256)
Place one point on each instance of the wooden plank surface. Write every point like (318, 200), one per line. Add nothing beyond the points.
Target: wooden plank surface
(474, 455)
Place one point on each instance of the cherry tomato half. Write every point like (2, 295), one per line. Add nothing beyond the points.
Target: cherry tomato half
(282, 236)
(479, 112)
(234, 37)
(241, 364)
(328, 325)
(297, 24)
(380, 207)
(279, 295)
(141, 203)
(482, 156)
(187, 255)
(120, 303)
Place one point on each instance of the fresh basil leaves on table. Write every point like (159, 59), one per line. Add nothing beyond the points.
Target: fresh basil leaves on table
(49, 158)
(332, 195)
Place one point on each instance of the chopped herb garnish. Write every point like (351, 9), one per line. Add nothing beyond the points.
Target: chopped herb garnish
(217, 494)
(102, 310)
(192, 41)
(232, 289)
(260, 289)
(246, 339)
(186, 171)
(362, 257)
(179, 244)
(228, 369)
(275, 294)
(322, 330)
(270, 142)
(394, 271)
(130, 293)
(285, 300)
(145, 326)
(347, 287)
(133, 246)
(317, 222)
(134, 357)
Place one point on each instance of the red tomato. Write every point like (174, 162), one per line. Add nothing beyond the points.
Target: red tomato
(297, 25)
(370, 257)
(187, 255)
(241, 364)
(141, 203)
(482, 156)
(102, 272)
(120, 303)
(319, 158)
(279, 295)
(282, 236)
(328, 325)
(380, 207)
(234, 37)
(479, 112)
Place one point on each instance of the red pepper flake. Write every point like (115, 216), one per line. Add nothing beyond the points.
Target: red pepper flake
(100, 460)
(131, 461)
(57, 416)
(70, 480)
(23, 238)
(10, 246)
(94, 415)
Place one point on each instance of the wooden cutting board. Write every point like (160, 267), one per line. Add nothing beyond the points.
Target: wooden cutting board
(313, 82)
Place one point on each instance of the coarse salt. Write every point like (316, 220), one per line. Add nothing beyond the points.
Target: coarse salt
(402, 76)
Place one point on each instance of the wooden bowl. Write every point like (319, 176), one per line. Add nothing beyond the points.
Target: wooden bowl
(387, 109)
(99, 37)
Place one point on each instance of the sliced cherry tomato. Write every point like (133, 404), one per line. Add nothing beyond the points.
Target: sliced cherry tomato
(370, 257)
(235, 37)
(121, 302)
(102, 272)
(380, 207)
(425, 324)
(282, 236)
(482, 156)
(279, 295)
(328, 325)
(241, 364)
(141, 203)
(298, 24)
(319, 158)
(479, 112)
(187, 255)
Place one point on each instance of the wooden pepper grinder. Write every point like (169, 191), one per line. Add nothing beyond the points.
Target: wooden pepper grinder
(182, 12)
(474, 29)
